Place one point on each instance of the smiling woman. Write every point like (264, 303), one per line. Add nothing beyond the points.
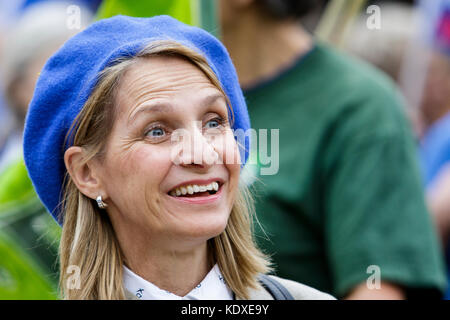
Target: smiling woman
(146, 216)
(169, 219)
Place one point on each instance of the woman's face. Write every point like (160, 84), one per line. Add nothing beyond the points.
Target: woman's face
(149, 166)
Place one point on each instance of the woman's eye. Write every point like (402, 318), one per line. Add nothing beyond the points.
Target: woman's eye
(156, 132)
(214, 123)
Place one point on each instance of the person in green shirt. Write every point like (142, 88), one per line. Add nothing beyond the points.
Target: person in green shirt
(345, 210)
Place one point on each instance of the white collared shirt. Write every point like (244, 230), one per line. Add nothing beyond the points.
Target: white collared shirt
(212, 287)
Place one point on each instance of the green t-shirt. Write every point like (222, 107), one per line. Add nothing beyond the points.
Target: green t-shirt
(347, 202)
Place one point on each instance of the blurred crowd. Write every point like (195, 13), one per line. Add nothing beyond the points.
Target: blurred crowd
(396, 212)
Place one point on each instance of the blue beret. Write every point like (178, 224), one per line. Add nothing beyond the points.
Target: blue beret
(69, 76)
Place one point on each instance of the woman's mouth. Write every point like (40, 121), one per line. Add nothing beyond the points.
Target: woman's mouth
(196, 190)
(198, 194)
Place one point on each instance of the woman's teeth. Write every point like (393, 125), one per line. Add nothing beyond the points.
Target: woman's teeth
(194, 188)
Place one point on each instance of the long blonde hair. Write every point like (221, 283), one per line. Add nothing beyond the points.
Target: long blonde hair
(88, 240)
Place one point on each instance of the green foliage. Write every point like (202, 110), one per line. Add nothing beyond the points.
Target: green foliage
(179, 9)
(20, 277)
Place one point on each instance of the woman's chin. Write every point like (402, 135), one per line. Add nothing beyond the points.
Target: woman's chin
(203, 230)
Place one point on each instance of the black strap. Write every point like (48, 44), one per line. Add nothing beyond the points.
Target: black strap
(275, 288)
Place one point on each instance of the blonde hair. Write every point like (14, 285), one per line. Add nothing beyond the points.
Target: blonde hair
(88, 239)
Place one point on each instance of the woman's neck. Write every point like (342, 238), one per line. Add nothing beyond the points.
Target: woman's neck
(260, 46)
(177, 270)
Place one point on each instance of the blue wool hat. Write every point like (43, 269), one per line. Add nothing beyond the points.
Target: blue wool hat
(69, 76)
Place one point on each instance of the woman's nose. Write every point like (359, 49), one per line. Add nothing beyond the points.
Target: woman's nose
(195, 149)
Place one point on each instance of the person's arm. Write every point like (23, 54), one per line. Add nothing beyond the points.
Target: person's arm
(387, 291)
(375, 211)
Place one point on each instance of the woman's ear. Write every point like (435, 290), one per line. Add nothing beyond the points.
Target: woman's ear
(85, 175)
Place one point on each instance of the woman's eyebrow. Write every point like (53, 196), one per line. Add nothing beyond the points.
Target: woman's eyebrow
(165, 107)
(158, 107)
(212, 98)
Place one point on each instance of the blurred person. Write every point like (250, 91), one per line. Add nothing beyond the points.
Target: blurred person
(348, 194)
(41, 29)
(8, 12)
(385, 47)
(435, 115)
(5, 123)
(438, 194)
(98, 145)
(435, 139)
(29, 238)
(435, 104)
(435, 146)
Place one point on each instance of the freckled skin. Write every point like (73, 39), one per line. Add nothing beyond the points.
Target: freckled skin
(138, 172)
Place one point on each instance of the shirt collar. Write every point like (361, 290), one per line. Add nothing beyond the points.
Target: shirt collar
(212, 287)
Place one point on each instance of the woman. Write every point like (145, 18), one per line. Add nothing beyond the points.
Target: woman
(144, 214)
